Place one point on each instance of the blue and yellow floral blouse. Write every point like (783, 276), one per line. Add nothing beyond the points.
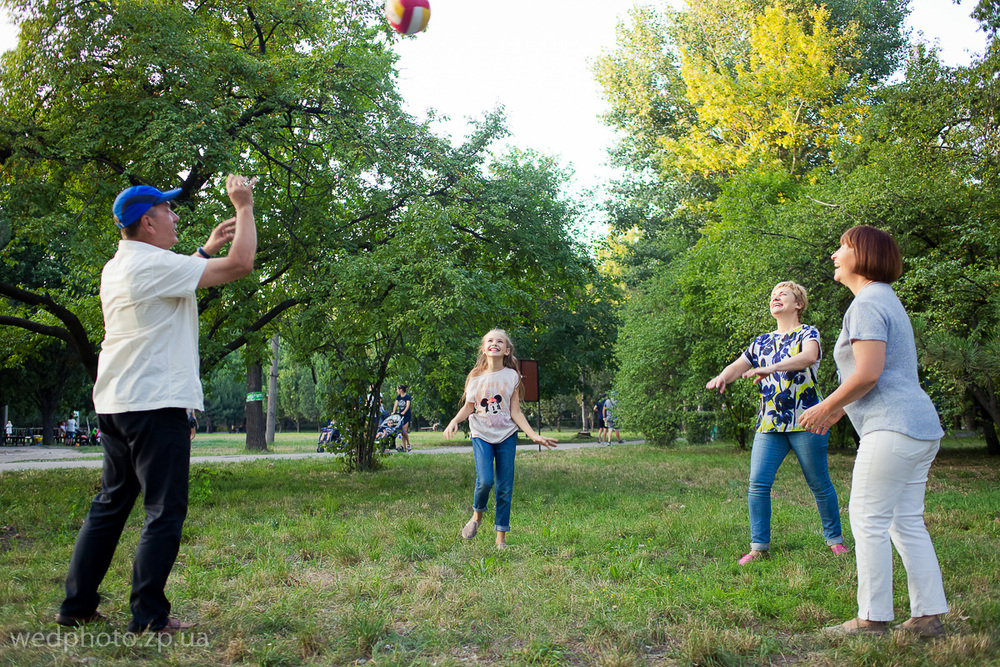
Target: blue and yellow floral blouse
(786, 394)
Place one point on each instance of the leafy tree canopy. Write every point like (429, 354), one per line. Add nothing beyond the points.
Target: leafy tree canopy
(369, 227)
(917, 158)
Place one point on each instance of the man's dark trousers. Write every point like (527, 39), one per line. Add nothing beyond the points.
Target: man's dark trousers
(147, 451)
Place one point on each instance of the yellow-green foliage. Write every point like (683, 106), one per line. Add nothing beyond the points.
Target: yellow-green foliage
(771, 101)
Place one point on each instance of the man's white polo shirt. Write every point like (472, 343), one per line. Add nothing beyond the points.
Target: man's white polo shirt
(149, 357)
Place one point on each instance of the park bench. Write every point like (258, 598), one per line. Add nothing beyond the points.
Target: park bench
(19, 437)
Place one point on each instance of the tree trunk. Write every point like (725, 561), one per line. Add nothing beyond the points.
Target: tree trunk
(986, 398)
(47, 406)
(254, 410)
(992, 442)
(272, 392)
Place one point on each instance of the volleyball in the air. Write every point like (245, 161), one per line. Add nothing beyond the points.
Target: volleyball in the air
(408, 16)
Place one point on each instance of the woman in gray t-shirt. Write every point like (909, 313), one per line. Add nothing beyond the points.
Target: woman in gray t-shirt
(900, 434)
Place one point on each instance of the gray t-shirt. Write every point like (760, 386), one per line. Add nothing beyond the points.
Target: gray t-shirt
(897, 402)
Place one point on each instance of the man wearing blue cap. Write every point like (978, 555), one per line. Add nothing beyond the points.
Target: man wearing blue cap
(147, 379)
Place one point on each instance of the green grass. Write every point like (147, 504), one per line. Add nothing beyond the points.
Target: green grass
(619, 556)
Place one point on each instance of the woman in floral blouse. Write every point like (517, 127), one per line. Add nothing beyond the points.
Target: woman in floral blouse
(783, 364)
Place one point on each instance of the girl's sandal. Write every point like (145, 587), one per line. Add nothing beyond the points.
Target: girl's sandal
(470, 529)
(753, 555)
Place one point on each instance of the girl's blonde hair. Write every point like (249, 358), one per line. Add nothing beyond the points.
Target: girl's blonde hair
(509, 361)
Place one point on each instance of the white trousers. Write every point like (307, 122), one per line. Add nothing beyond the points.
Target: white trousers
(887, 502)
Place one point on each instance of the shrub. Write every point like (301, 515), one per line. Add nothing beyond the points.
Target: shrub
(698, 427)
(665, 432)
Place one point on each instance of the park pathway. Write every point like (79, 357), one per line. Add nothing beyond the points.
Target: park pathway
(36, 457)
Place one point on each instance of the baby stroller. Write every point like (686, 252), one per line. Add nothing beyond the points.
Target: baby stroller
(390, 427)
(328, 436)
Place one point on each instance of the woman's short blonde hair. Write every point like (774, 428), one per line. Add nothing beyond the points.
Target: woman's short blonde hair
(798, 291)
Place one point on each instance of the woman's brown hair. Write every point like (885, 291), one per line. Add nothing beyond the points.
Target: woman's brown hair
(876, 253)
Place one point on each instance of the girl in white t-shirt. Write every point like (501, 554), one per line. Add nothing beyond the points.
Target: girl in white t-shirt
(492, 403)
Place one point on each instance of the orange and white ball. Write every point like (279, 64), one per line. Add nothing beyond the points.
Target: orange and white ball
(408, 16)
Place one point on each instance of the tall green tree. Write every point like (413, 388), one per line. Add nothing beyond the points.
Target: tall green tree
(300, 93)
(42, 377)
(722, 85)
(297, 392)
(729, 108)
(225, 395)
(783, 102)
(927, 172)
(924, 169)
(96, 98)
(494, 251)
(355, 201)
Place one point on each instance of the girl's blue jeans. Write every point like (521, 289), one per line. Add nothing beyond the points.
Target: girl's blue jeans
(495, 467)
(769, 450)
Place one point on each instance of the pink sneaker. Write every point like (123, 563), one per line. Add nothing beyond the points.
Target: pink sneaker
(753, 555)
(839, 549)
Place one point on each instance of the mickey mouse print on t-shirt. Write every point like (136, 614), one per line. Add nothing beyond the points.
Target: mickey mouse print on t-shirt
(494, 410)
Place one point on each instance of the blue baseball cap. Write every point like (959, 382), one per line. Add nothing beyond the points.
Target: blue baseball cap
(133, 202)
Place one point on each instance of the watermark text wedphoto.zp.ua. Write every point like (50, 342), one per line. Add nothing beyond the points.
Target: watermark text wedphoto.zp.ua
(84, 638)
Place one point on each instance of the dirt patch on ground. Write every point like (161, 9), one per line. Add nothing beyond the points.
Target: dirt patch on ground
(10, 537)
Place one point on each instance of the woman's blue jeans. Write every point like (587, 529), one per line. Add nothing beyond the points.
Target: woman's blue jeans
(769, 450)
(495, 466)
